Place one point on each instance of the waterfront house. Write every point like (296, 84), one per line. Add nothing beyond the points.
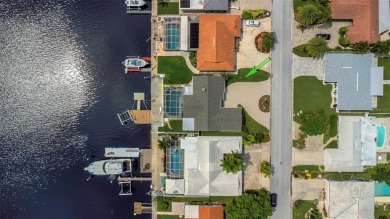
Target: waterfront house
(191, 6)
(193, 167)
(358, 80)
(218, 35)
(349, 199)
(356, 145)
(203, 212)
(203, 106)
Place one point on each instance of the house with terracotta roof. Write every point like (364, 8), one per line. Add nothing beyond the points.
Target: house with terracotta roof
(217, 42)
(364, 15)
(203, 212)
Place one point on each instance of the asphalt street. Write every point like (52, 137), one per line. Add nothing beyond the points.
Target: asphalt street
(281, 105)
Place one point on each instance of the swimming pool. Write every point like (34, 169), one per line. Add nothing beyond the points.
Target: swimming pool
(175, 161)
(172, 36)
(382, 189)
(381, 136)
(173, 104)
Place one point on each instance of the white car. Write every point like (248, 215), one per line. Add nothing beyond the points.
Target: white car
(252, 23)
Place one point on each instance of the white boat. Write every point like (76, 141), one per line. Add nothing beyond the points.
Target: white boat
(110, 167)
(134, 3)
(134, 62)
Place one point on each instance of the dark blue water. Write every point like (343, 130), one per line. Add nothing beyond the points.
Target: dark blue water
(61, 85)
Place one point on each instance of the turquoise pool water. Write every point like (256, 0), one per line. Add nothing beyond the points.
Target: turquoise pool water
(380, 140)
(173, 104)
(175, 161)
(382, 189)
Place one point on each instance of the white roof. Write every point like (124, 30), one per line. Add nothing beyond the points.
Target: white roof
(349, 199)
(384, 15)
(202, 171)
(377, 81)
(174, 186)
(184, 33)
(191, 211)
(356, 145)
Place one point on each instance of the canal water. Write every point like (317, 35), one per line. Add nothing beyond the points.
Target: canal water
(61, 85)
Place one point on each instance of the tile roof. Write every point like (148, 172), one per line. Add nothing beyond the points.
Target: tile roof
(205, 106)
(211, 212)
(217, 35)
(364, 14)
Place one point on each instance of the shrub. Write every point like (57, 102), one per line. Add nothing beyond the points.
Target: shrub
(193, 58)
(343, 30)
(361, 47)
(162, 206)
(265, 41)
(246, 15)
(313, 123)
(266, 169)
(343, 41)
(254, 14)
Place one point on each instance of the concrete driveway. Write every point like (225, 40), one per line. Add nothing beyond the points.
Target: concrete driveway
(253, 157)
(307, 189)
(248, 56)
(248, 95)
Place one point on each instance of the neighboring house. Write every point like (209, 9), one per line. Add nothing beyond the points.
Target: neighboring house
(217, 42)
(356, 145)
(198, 172)
(179, 32)
(357, 80)
(203, 109)
(349, 199)
(364, 15)
(384, 15)
(203, 212)
(203, 5)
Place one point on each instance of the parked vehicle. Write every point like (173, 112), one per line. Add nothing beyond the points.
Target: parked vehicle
(324, 35)
(274, 200)
(252, 23)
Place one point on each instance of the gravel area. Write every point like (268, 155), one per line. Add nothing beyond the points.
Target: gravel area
(299, 38)
(308, 67)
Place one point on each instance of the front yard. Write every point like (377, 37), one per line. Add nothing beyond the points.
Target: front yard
(260, 75)
(383, 101)
(175, 70)
(300, 209)
(310, 94)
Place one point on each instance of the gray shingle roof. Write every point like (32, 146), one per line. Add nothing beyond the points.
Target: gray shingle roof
(205, 106)
(352, 73)
(216, 5)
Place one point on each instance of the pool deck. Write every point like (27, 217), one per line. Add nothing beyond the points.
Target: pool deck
(382, 199)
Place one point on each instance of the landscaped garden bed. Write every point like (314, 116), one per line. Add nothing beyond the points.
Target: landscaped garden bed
(264, 103)
(264, 42)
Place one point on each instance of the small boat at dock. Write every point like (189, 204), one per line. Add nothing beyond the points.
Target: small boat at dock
(136, 63)
(135, 3)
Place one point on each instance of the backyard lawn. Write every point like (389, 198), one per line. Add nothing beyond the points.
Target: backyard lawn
(300, 211)
(168, 8)
(300, 51)
(159, 216)
(385, 62)
(175, 70)
(383, 105)
(380, 211)
(176, 125)
(310, 94)
(240, 77)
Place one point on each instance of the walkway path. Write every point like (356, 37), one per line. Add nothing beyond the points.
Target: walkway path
(248, 94)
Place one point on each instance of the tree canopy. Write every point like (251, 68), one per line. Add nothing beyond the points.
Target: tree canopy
(317, 46)
(255, 205)
(232, 163)
(310, 14)
(266, 169)
(313, 123)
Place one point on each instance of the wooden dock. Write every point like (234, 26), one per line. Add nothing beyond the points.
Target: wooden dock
(141, 116)
(140, 208)
(127, 179)
(146, 161)
(139, 11)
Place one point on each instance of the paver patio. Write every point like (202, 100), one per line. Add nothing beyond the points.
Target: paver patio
(254, 156)
(307, 189)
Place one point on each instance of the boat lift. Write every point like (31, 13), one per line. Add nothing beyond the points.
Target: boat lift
(137, 115)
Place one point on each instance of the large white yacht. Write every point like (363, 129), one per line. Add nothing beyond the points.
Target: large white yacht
(110, 167)
(134, 3)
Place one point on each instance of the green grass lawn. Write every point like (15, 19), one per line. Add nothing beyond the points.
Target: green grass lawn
(300, 51)
(332, 144)
(240, 77)
(299, 213)
(385, 62)
(310, 94)
(380, 211)
(252, 125)
(168, 8)
(175, 70)
(307, 167)
(177, 126)
(384, 101)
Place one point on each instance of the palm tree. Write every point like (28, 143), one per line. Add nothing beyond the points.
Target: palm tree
(361, 47)
(266, 169)
(308, 14)
(162, 143)
(232, 163)
(317, 47)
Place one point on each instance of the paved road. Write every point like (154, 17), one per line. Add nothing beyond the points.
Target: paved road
(281, 103)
